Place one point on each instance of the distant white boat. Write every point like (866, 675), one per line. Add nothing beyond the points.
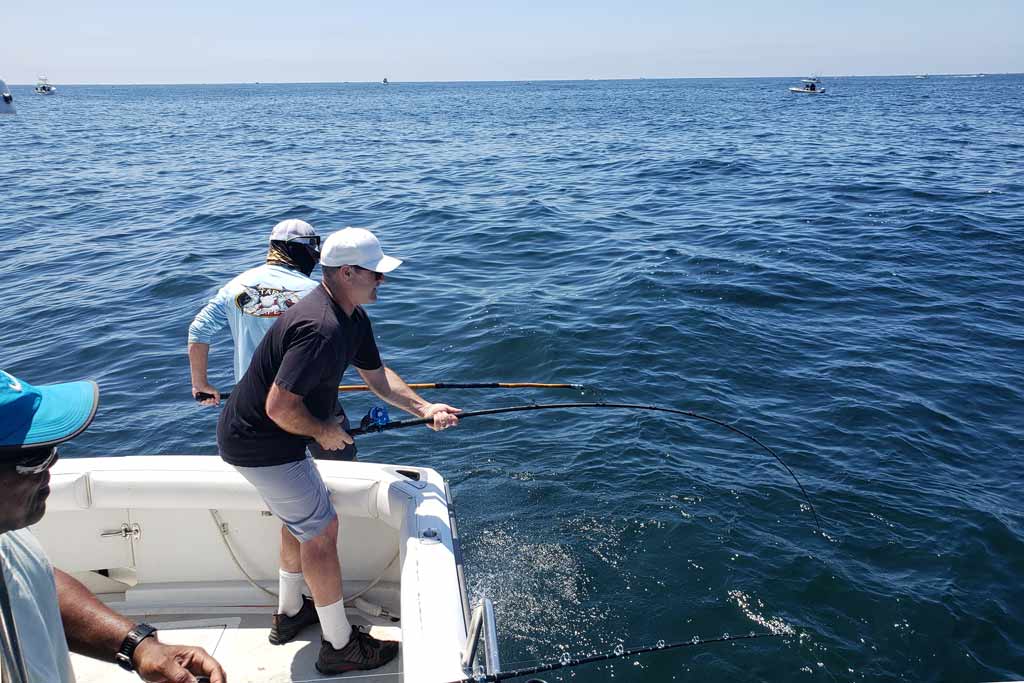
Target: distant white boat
(6, 99)
(811, 86)
(43, 86)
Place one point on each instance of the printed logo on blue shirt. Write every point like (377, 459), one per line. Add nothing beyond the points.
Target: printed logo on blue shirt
(266, 302)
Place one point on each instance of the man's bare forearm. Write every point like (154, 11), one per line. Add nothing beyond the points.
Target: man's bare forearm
(92, 628)
(289, 412)
(198, 362)
(390, 387)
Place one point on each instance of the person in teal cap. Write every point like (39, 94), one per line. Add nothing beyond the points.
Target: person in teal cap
(45, 610)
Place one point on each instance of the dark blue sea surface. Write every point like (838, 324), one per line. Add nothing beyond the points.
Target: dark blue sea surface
(840, 275)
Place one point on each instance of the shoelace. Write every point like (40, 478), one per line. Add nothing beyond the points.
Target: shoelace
(366, 648)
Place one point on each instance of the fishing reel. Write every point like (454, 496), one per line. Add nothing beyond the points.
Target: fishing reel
(376, 418)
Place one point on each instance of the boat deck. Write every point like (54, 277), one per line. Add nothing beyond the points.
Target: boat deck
(186, 544)
(239, 642)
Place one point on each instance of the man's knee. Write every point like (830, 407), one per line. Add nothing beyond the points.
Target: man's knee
(325, 540)
(331, 530)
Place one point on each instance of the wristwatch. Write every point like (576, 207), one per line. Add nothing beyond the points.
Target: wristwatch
(132, 641)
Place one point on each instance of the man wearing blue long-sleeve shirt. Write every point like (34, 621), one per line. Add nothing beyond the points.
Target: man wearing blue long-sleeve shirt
(250, 303)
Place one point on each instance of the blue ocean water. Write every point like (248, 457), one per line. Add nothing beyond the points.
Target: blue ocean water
(840, 275)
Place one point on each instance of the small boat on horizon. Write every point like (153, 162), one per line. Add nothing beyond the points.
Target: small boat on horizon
(811, 86)
(385, 81)
(43, 86)
(6, 99)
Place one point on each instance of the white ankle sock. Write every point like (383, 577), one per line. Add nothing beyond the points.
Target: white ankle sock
(289, 592)
(334, 623)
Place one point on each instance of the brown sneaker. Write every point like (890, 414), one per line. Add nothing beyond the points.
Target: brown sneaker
(283, 627)
(361, 652)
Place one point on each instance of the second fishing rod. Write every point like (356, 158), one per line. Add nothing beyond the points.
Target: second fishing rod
(203, 396)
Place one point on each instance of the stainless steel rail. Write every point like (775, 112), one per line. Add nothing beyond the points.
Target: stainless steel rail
(483, 620)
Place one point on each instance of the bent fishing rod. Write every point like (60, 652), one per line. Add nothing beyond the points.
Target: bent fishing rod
(377, 421)
(567, 662)
(202, 396)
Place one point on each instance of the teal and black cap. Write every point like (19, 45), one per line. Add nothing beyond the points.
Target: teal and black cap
(46, 415)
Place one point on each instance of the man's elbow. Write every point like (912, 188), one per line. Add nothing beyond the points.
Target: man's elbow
(278, 407)
(275, 409)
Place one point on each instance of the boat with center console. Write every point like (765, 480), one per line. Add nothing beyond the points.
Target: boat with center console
(811, 86)
(43, 86)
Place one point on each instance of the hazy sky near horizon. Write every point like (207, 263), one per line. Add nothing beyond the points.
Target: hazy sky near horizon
(231, 41)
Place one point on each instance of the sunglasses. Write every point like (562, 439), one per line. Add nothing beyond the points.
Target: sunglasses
(376, 275)
(38, 462)
(309, 240)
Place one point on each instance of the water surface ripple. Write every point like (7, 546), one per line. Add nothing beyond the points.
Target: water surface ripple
(840, 275)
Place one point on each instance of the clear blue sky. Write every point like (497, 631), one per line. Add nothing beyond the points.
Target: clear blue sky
(216, 41)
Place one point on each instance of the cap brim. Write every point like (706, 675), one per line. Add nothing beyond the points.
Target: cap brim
(64, 411)
(385, 265)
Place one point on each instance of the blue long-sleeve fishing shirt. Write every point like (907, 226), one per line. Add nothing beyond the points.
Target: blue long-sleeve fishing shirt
(249, 304)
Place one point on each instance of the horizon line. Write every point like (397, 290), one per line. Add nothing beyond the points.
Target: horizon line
(548, 80)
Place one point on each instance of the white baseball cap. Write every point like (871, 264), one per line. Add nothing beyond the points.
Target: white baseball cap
(356, 247)
(286, 231)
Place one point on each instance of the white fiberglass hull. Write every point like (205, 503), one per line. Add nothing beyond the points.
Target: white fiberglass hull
(171, 566)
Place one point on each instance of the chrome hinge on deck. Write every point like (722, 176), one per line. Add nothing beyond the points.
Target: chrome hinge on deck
(135, 531)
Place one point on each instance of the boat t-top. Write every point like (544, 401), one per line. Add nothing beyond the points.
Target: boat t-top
(43, 86)
(811, 86)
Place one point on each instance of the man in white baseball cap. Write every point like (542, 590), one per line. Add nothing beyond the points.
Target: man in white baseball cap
(250, 303)
(286, 400)
(357, 247)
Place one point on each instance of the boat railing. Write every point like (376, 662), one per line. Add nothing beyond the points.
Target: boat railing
(482, 622)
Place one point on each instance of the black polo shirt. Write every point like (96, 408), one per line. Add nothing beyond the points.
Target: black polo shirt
(306, 352)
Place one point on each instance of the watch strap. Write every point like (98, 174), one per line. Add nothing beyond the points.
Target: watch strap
(131, 641)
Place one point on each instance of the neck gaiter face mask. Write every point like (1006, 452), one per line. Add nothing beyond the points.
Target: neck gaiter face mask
(293, 255)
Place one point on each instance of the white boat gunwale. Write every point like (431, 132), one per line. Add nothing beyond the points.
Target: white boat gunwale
(150, 507)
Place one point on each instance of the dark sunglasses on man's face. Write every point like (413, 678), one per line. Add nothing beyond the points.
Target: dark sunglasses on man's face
(376, 275)
(36, 461)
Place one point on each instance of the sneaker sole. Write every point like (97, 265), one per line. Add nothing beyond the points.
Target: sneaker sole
(354, 667)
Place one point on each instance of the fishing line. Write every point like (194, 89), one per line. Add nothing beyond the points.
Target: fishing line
(567, 662)
(377, 421)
